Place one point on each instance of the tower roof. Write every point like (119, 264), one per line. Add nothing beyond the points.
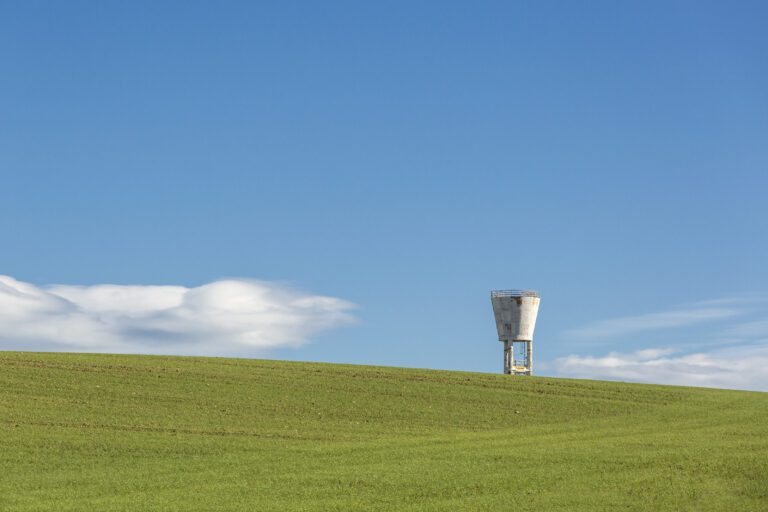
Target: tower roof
(514, 293)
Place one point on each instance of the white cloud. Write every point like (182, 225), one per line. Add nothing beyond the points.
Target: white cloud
(233, 316)
(654, 321)
(744, 367)
(726, 346)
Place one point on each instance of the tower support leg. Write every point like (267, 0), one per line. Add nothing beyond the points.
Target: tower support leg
(508, 355)
(529, 356)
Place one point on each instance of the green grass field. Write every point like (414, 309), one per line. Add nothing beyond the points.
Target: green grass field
(112, 432)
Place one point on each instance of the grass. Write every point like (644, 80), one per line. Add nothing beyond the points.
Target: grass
(114, 432)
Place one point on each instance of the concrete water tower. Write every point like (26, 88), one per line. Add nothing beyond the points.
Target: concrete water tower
(515, 312)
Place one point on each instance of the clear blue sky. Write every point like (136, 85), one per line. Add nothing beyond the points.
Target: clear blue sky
(404, 156)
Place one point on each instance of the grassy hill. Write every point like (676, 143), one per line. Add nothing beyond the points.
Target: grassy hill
(113, 432)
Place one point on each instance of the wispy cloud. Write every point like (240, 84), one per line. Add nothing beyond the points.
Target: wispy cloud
(679, 317)
(233, 316)
(738, 368)
(750, 329)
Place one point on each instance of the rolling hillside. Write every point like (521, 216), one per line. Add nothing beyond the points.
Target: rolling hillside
(113, 432)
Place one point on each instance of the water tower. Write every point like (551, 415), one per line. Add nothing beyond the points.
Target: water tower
(515, 312)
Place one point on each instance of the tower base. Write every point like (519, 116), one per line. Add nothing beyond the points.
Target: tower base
(518, 358)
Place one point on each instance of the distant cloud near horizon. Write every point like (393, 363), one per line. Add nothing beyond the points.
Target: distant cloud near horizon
(226, 317)
(729, 349)
(735, 368)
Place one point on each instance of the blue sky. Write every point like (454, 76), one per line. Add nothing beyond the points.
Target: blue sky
(407, 158)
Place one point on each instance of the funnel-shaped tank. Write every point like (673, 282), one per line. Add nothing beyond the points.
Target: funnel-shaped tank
(515, 312)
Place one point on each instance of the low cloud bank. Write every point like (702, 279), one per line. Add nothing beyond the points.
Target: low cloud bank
(743, 367)
(227, 317)
(720, 343)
